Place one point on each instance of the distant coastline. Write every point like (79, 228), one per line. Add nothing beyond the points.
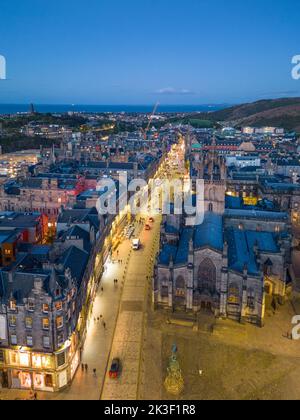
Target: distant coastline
(57, 109)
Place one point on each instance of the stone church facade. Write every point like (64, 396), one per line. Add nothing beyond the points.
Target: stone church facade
(231, 265)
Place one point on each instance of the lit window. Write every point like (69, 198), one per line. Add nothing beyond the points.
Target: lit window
(13, 305)
(13, 340)
(46, 324)
(36, 360)
(59, 322)
(46, 342)
(58, 306)
(24, 359)
(46, 308)
(29, 341)
(31, 306)
(12, 321)
(28, 323)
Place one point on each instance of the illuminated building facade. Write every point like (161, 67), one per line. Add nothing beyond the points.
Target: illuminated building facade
(41, 303)
(234, 264)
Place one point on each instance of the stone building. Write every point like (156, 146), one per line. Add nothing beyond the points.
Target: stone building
(40, 310)
(233, 264)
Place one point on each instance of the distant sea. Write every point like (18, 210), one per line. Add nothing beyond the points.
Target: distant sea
(60, 109)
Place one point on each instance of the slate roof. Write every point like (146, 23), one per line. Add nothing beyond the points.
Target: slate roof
(256, 214)
(76, 232)
(210, 232)
(76, 215)
(76, 260)
(241, 245)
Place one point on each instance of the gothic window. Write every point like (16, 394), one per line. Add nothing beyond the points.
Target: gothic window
(268, 267)
(164, 288)
(212, 194)
(234, 294)
(217, 173)
(206, 173)
(251, 299)
(180, 283)
(207, 276)
(268, 289)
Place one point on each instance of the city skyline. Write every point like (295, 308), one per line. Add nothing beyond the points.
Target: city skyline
(160, 52)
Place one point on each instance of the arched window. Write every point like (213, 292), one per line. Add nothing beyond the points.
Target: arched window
(251, 299)
(164, 287)
(206, 173)
(234, 294)
(217, 173)
(210, 207)
(212, 194)
(207, 276)
(180, 283)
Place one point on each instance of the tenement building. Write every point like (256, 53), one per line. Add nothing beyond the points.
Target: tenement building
(235, 264)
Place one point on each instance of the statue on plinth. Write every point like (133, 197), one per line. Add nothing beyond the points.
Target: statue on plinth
(174, 383)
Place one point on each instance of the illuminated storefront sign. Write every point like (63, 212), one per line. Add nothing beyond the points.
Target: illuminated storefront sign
(62, 379)
(25, 380)
(75, 364)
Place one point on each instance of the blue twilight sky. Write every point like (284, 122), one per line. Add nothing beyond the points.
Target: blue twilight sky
(143, 51)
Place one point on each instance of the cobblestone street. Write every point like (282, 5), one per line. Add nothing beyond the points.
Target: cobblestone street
(237, 361)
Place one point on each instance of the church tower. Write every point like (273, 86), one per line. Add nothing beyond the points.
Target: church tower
(212, 168)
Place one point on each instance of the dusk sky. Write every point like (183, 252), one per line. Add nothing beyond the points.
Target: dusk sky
(143, 51)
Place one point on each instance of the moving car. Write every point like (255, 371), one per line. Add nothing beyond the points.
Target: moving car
(115, 369)
(136, 243)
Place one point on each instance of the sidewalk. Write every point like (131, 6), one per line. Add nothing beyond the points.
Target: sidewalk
(98, 341)
(129, 336)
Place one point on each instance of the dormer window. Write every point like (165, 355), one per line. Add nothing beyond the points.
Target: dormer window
(46, 308)
(31, 306)
(13, 305)
(58, 306)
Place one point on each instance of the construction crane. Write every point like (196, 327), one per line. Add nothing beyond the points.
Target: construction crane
(150, 120)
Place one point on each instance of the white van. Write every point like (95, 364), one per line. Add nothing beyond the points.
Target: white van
(136, 243)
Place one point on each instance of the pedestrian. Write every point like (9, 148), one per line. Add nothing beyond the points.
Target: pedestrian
(98, 319)
(82, 367)
(35, 396)
(104, 325)
(95, 372)
(102, 289)
(86, 367)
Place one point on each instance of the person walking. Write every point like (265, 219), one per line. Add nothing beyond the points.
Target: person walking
(95, 373)
(86, 368)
